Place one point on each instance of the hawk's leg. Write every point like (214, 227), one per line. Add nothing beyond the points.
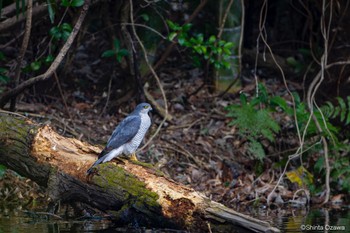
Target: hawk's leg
(133, 157)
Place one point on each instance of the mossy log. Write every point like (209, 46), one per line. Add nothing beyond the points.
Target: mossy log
(127, 191)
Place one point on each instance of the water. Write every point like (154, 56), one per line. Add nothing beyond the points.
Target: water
(311, 221)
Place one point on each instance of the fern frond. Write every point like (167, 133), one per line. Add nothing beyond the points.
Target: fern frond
(342, 110)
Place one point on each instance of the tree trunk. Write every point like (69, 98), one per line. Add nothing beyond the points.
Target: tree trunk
(127, 191)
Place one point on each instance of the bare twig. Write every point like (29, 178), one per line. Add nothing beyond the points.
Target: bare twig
(223, 20)
(14, 92)
(314, 86)
(108, 96)
(61, 93)
(23, 49)
(10, 23)
(152, 71)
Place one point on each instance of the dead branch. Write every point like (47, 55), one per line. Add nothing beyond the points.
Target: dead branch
(23, 49)
(14, 92)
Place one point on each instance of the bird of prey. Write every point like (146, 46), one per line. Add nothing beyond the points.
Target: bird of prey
(127, 136)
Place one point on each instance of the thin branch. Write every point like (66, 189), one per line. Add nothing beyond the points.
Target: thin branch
(152, 71)
(224, 18)
(23, 49)
(62, 95)
(14, 92)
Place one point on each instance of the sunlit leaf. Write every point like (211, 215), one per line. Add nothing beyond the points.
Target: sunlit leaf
(212, 39)
(172, 35)
(301, 176)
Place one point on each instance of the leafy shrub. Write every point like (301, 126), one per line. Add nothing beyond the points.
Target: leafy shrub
(210, 49)
(254, 122)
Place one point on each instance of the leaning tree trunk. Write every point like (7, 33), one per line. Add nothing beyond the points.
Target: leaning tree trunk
(127, 191)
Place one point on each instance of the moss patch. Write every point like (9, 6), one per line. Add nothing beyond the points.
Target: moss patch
(126, 186)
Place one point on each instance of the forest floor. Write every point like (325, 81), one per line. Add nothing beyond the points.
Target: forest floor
(198, 147)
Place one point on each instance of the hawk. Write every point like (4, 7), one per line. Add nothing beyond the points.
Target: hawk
(127, 136)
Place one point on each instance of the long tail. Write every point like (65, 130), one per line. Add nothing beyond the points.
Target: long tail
(100, 160)
(105, 158)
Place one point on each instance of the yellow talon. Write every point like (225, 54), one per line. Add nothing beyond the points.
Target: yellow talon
(133, 157)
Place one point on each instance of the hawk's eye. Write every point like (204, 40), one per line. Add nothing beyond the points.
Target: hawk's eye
(146, 106)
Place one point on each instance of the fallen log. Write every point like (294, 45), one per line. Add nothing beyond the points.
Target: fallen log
(127, 191)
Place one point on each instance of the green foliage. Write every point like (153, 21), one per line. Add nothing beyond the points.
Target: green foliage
(254, 123)
(61, 32)
(51, 7)
(210, 49)
(341, 111)
(38, 64)
(116, 52)
(72, 3)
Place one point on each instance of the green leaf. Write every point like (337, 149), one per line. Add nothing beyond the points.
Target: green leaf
(172, 35)
(35, 65)
(145, 17)
(55, 32)
(243, 98)
(186, 27)
(200, 38)
(65, 35)
(49, 59)
(348, 117)
(226, 64)
(2, 170)
(66, 27)
(212, 39)
(123, 52)
(108, 53)
(77, 3)
(197, 48)
(229, 45)
(291, 61)
(227, 51)
(280, 102)
(342, 109)
(50, 8)
(181, 40)
(172, 25)
(65, 3)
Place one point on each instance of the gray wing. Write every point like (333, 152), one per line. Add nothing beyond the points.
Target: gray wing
(124, 132)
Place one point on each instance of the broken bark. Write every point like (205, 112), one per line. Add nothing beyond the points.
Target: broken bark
(127, 191)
